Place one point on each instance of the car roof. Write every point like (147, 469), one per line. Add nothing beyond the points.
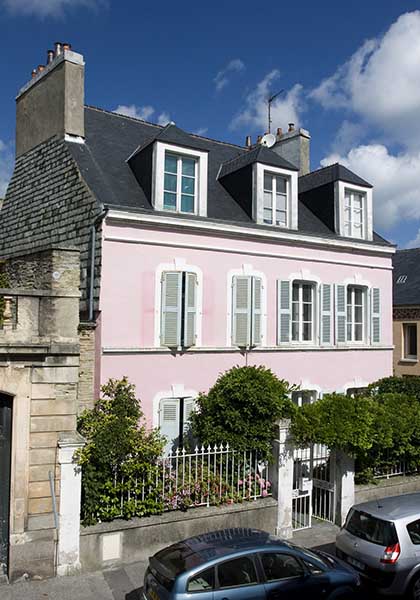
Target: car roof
(392, 508)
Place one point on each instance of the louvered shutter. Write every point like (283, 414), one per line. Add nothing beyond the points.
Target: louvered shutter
(169, 420)
(256, 311)
(326, 310)
(190, 310)
(284, 311)
(171, 309)
(375, 315)
(241, 311)
(189, 405)
(340, 313)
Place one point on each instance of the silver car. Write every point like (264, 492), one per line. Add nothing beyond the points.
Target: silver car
(381, 539)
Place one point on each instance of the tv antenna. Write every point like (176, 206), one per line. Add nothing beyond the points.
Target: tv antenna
(269, 101)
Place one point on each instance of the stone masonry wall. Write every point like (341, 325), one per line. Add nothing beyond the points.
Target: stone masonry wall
(86, 391)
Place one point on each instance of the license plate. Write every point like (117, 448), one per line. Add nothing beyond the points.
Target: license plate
(355, 563)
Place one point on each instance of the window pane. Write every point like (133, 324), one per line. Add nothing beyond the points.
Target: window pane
(414, 532)
(170, 163)
(307, 293)
(170, 183)
(187, 204)
(169, 201)
(268, 216)
(295, 332)
(188, 185)
(410, 340)
(295, 311)
(201, 582)
(357, 201)
(347, 200)
(357, 231)
(295, 291)
(280, 566)
(280, 217)
(240, 571)
(188, 166)
(358, 314)
(349, 335)
(281, 185)
(357, 217)
(268, 181)
(347, 229)
(307, 332)
(358, 296)
(307, 312)
(358, 333)
(349, 314)
(281, 202)
(268, 200)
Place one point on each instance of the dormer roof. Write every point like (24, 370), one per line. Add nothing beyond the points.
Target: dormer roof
(171, 134)
(260, 154)
(329, 174)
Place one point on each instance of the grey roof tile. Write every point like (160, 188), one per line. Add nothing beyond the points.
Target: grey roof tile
(406, 264)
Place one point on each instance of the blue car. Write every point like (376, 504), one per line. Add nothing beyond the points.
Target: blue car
(245, 564)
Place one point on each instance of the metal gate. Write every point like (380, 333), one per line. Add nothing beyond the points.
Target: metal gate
(5, 459)
(313, 486)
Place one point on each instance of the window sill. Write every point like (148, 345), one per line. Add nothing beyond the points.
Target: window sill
(234, 349)
(411, 361)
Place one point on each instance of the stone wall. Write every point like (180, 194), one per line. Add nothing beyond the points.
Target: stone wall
(86, 395)
(394, 486)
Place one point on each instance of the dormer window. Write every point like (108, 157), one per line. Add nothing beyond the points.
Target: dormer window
(354, 214)
(275, 200)
(180, 183)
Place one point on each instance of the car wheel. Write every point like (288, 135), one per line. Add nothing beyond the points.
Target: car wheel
(344, 593)
(415, 589)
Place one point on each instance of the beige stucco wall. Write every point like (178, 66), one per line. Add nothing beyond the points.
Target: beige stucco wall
(404, 315)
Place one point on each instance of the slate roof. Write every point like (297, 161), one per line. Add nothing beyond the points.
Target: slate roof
(407, 263)
(111, 139)
(329, 174)
(260, 154)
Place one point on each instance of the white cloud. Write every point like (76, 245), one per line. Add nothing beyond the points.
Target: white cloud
(6, 167)
(381, 81)
(48, 8)
(285, 109)
(347, 136)
(137, 112)
(222, 78)
(396, 180)
(201, 131)
(164, 118)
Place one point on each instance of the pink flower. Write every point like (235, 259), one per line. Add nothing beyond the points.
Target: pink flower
(264, 493)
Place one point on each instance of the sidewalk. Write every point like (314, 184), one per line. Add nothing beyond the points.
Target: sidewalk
(124, 583)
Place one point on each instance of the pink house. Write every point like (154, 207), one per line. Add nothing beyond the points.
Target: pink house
(198, 255)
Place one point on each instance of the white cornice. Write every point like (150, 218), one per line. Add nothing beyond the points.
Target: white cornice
(232, 230)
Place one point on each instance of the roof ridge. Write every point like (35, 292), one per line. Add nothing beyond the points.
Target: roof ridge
(137, 120)
(320, 169)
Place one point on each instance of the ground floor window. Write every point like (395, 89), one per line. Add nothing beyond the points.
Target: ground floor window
(353, 392)
(410, 341)
(301, 397)
(174, 416)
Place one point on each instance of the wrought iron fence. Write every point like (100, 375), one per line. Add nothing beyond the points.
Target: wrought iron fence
(402, 467)
(207, 476)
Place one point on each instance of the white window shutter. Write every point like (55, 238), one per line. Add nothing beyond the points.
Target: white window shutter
(340, 313)
(326, 314)
(171, 309)
(241, 311)
(256, 311)
(375, 315)
(169, 420)
(189, 406)
(190, 310)
(284, 311)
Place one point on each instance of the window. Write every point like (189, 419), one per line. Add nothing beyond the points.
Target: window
(401, 279)
(302, 312)
(202, 582)
(356, 392)
(354, 214)
(280, 566)
(371, 529)
(301, 397)
(178, 309)
(238, 572)
(246, 311)
(410, 341)
(180, 183)
(174, 417)
(355, 314)
(414, 532)
(275, 200)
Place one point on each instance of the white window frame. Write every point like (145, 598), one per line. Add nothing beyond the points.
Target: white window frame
(274, 194)
(174, 391)
(365, 301)
(314, 321)
(349, 215)
(258, 171)
(409, 357)
(297, 396)
(178, 264)
(159, 153)
(245, 271)
(179, 175)
(340, 190)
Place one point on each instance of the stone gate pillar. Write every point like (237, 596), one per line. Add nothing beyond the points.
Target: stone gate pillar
(344, 485)
(282, 479)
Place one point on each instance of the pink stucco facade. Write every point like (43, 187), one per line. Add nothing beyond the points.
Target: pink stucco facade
(134, 256)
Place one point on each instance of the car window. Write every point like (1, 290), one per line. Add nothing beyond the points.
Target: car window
(369, 528)
(313, 568)
(414, 532)
(237, 572)
(201, 582)
(280, 566)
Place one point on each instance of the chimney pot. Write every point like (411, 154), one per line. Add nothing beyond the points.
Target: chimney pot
(279, 132)
(248, 142)
(40, 68)
(34, 73)
(50, 56)
(259, 138)
(66, 46)
(291, 127)
(58, 48)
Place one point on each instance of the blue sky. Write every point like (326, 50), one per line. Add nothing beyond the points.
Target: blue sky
(350, 71)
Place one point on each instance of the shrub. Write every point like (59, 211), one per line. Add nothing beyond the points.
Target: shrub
(241, 409)
(119, 456)
(396, 385)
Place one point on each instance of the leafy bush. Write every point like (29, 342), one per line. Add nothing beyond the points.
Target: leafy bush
(120, 456)
(241, 409)
(397, 385)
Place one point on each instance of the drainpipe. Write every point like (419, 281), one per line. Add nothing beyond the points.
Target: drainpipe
(93, 230)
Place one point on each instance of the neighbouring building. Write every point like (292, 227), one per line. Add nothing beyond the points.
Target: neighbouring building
(406, 311)
(196, 254)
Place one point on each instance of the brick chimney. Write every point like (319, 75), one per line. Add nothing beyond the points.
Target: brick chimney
(294, 146)
(52, 102)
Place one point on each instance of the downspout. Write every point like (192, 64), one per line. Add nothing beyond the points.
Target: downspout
(93, 230)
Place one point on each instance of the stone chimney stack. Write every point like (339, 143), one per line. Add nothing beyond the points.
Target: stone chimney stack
(294, 146)
(52, 102)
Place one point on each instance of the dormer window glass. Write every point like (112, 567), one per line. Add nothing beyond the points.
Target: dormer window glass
(275, 200)
(354, 214)
(180, 183)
